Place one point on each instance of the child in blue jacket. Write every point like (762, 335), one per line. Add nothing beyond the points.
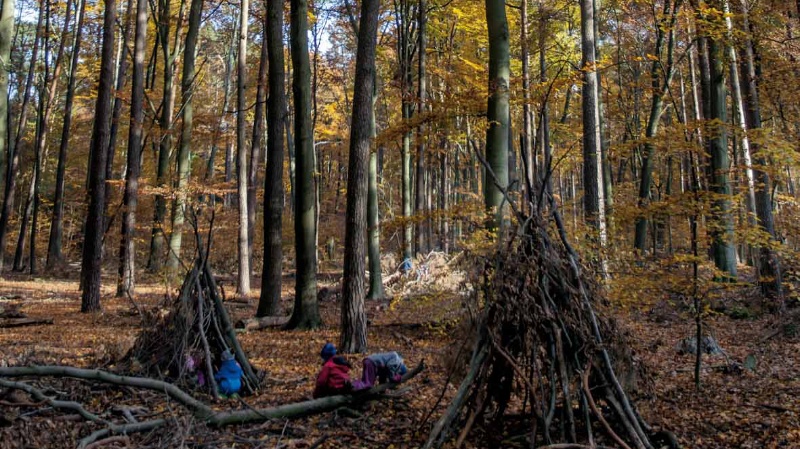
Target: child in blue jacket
(229, 376)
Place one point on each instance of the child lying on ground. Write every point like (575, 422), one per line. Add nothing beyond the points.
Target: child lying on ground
(334, 378)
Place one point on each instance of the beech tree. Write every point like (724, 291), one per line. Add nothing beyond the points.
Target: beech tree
(497, 113)
(270, 299)
(306, 308)
(93, 243)
(354, 318)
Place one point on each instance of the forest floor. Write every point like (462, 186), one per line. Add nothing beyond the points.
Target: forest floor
(736, 408)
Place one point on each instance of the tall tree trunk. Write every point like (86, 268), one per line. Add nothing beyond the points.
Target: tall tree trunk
(127, 250)
(420, 192)
(7, 10)
(722, 236)
(257, 143)
(497, 114)
(55, 255)
(221, 124)
(12, 169)
(592, 157)
(405, 54)
(243, 288)
(121, 80)
(269, 303)
(660, 78)
(526, 149)
(353, 316)
(93, 242)
(373, 221)
(769, 269)
(158, 235)
(306, 307)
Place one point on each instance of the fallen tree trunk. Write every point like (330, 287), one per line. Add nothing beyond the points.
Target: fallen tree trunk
(264, 322)
(199, 409)
(19, 322)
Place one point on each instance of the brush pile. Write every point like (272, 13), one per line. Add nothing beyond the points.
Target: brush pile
(543, 356)
(185, 344)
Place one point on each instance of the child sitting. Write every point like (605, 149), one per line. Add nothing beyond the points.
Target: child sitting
(334, 378)
(229, 376)
(383, 367)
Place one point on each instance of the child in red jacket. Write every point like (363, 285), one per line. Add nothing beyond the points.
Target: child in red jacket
(334, 378)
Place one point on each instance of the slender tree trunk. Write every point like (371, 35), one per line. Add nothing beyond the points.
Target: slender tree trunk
(269, 303)
(54, 247)
(306, 307)
(419, 205)
(659, 89)
(243, 288)
(354, 318)
(373, 220)
(405, 54)
(7, 11)
(592, 157)
(221, 124)
(12, 169)
(127, 250)
(769, 269)
(158, 235)
(256, 144)
(526, 149)
(497, 114)
(93, 243)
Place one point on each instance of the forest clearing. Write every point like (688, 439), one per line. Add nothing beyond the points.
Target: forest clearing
(567, 224)
(737, 408)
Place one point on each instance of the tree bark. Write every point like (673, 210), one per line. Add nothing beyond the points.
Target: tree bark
(127, 251)
(257, 143)
(12, 168)
(269, 303)
(592, 155)
(93, 243)
(55, 255)
(769, 269)
(421, 191)
(353, 315)
(722, 237)
(659, 89)
(243, 287)
(306, 308)
(7, 16)
(497, 114)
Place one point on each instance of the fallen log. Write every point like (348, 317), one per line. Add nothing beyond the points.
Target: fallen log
(19, 322)
(264, 322)
(200, 410)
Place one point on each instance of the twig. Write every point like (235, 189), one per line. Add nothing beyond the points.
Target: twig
(596, 411)
(104, 441)
(120, 429)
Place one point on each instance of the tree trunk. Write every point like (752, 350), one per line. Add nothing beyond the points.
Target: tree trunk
(722, 237)
(55, 255)
(526, 148)
(221, 124)
(158, 235)
(306, 307)
(421, 192)
(243, 288)
(497, 114)
(592, 156)
(405, 55)
(257, 143)
(659, 89)
(769, 269)
(354, 318)
(93, 243)
(269, 303)
(7, 16)
(373, 220)
(127, 250)
(12, 169)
